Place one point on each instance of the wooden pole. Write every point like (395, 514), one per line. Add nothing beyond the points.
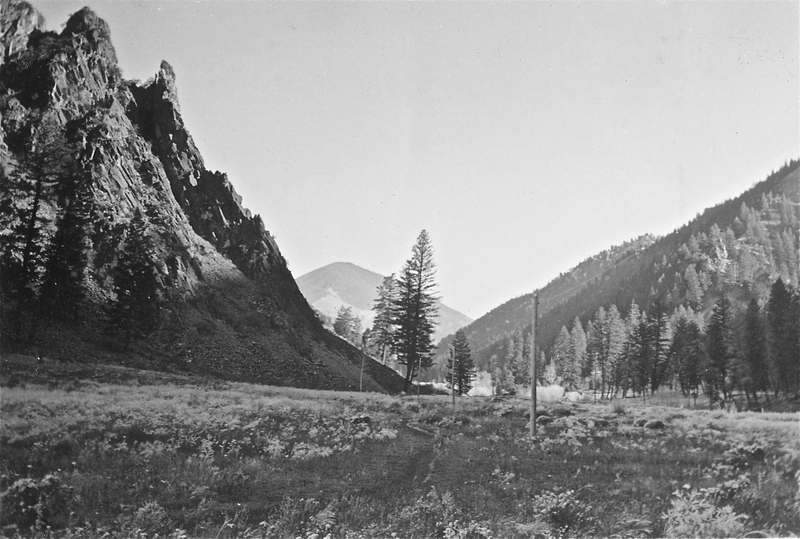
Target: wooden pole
(453, 374)
(533, 362)
(361, 378)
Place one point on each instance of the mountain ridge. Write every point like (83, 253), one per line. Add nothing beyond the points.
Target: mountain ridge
(648, 267)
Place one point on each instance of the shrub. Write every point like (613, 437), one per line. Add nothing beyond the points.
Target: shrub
(563, 512)
(694, 515)
(293, 516)
(151, 519)
(428, 515)
(436, 515)
(618, 407)
(36, 503)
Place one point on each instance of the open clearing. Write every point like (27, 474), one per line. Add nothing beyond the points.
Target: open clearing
(88, 451)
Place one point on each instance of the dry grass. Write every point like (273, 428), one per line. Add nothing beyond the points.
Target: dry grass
(256, 461)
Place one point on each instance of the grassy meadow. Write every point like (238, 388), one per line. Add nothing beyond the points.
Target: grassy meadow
(113, 452)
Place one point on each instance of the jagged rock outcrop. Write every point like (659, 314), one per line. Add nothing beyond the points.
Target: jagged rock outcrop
(208, 198)
(233, 307)
(17, 21)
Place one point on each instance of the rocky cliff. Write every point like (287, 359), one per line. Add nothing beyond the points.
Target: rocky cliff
(75, 134)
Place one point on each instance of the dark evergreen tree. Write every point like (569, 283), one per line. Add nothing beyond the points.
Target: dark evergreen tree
(658, 343)
(720, 370)
(415, 310)
(755, 377)
(596, 352)
(640, 357)
(465, 371)
(687, 354)
(26, 202)
(630, 351)
(136, 282)
(63, 287)
(614, 346)
(782, 337)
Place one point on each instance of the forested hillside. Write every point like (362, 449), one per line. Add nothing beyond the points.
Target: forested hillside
(738, 249)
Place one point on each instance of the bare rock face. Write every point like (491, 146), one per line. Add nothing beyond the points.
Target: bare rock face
(236, 309)
(208, 198)
(17, 21)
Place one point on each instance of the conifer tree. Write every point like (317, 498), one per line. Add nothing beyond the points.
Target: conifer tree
(630, 351)
(63, 286)
(590, 367)
(347, 325)
(563, 359)
(694, 289)
(686, 353)
(465, 372)
(382, 328)
(783, 346)
(639, 356)
(415, 310)
(578, 349)
(614, 347)
(25, 195)
(754, 350)
(595, 352)
(658, 339)
(719, 376)
(136, 282)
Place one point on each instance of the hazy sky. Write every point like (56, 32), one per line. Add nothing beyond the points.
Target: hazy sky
(524, 136)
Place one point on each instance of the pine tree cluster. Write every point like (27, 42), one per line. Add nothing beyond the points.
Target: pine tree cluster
(405, 312)
(753, 352)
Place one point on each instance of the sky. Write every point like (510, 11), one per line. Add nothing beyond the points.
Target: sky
(524, 137)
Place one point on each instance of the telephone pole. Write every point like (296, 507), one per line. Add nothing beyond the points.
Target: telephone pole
(534, 327)
(453, 374)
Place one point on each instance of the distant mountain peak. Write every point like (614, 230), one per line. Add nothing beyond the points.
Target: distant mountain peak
(346, 284)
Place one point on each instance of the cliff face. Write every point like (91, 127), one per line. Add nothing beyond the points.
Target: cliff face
(231, 305)
(17, 22)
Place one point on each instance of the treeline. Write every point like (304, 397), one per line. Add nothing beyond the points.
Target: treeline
(754, 352)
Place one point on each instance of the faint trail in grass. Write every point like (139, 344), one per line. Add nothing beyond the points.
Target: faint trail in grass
(380, 472)
(420, 466)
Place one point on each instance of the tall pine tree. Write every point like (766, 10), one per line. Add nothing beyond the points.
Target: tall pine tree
(755, 377)
(415, 310)
(782, 332)
(686, 354)
(719, 375)
(26, 199)
(382, 328)
(63, 287)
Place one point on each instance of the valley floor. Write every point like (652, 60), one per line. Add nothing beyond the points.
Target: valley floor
(90, 451)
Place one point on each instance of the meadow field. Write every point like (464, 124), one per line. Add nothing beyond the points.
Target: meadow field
(89, 451)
